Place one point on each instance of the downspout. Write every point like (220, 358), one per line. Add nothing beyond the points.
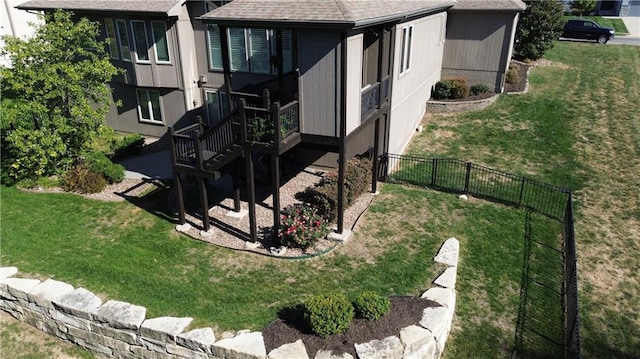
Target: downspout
(226, 65)
(343, 131)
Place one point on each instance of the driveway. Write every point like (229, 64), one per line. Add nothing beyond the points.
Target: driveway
(633, 26)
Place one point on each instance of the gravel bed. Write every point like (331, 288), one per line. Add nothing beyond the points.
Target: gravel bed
(233, 233)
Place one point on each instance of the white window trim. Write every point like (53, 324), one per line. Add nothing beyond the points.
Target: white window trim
(211, 67)
(150, 108)
(120, 42)
(155, 41)
(406, 49)
(146, 40)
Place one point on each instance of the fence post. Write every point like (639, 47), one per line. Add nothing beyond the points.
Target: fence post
(521, 191)
(434, 171)
(466, 177)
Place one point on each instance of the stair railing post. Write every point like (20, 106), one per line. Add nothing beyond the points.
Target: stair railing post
(277, 125)
(243, 121)
(266, 99)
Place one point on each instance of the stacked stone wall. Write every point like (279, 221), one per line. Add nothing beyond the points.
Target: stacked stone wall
(121, 330)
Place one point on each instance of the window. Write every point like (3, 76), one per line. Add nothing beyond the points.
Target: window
(405, 54)
(160, 41)
(111, 35)
(149, 108)
(252, 50)
(238, 50)
(123, 36)
(215, 55)
(140, 41)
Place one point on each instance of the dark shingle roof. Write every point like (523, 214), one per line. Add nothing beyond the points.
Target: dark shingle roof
(167, 7)
(341, 12)
(504, 5)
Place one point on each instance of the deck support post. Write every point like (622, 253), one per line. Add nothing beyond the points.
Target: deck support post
(248, 162)
(204, 202)
(275, 183)
(343, 132)
(376, 145)
(251, 190)
(179, 197)
(236, 193)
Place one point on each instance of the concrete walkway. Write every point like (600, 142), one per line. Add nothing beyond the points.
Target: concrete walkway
(150, 166)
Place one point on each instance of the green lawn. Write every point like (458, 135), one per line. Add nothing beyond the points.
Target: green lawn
(579, 127)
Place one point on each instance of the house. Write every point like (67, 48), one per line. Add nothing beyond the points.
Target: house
(479, 41)
(244, 84)
(617, 8)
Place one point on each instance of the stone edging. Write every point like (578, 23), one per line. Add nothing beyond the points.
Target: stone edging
(434, 106)
(121, 330)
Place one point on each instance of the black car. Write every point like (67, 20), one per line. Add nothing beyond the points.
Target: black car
(588, 30)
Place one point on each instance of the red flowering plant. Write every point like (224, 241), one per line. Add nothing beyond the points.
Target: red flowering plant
(301, 226)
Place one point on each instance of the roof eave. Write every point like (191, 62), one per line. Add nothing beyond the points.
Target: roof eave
(171, 13)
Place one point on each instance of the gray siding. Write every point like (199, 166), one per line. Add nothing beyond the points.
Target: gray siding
(125, 118)
(319, 82)
(151, 74)
(477, 47)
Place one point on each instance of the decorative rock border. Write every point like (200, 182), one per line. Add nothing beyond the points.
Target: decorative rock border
(434, 106)
(121, 330)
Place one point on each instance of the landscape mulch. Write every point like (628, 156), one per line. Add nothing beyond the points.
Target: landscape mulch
(291, 326)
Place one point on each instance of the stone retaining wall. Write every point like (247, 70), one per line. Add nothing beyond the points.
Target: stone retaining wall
(434, 106)
(121, 330)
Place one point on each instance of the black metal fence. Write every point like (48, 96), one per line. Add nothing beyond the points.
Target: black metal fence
(451, 175)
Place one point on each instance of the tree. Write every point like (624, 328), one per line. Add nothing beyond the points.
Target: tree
(583, 6)
(55, 97)
(539, 26)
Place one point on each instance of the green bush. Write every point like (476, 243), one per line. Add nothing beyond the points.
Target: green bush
(98, 162)
(357, 176)
(301, 226)
(324, 195)
(442, 90)
(459, 88)
(129, 145)
(324, 199)
(328, 314)
(478, 89)
(83, 180)
(371, 306)
(513, 75)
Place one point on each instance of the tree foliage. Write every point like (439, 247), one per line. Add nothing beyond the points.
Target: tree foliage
(583, 6)
(539, 26)
(54, 95)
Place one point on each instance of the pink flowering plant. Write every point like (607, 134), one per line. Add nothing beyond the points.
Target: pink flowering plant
(301, 226)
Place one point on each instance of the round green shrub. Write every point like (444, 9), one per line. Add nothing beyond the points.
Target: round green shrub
(442, 90)
(83, 180)
(371, 306)
(99, 162)
(478, 89)
(129, 145)
(329, 314)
